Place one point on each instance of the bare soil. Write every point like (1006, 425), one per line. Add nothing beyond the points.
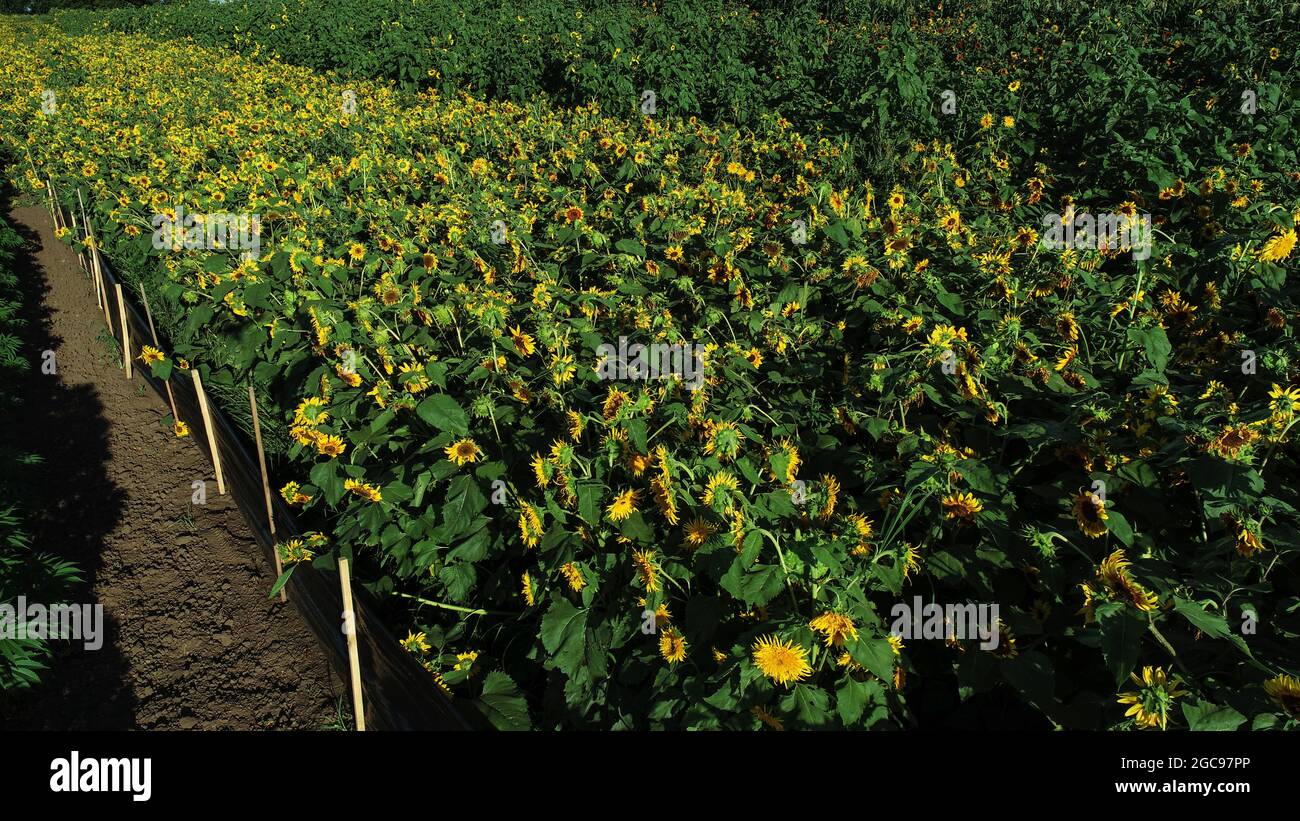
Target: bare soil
(192, 639)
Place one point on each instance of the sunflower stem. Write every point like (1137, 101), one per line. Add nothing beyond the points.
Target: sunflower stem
(467, 610)
(1155, 631)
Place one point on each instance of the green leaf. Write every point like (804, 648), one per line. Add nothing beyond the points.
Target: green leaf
(161, 369)
(1121, 640)
(1202, 715)
(1211, 624)
(464, 502)
(876, 655)
(756, 586)
(282, 581)
(631, 246)
(1155, 343)
(325, 476)
(503, 704)
(851, 700)
(444, 413)
(588, 502)
(810, 704)
(564, 635)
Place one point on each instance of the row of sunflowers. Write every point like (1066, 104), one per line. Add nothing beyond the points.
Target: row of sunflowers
(906, 395)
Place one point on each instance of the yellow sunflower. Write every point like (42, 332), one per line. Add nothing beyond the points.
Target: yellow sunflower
(781, 661)
(1090, 512)
(1279, 247)
(672, 646)
(961, 506)
(836, 627)
(462, 452)
(623, 506)
(1285, 692)
(1150, 704)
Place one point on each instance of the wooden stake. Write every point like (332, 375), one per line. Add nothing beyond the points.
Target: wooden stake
(96, 270)
(100, 285)
(266, 485)
(49, 195)
(81, 254)
(212, 435)
(171, 399)
(350, 629)
(126, 332)
(85, 224)
(54, 205)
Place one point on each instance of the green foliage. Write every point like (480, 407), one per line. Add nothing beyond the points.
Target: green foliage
(917, 397)
(24, 571)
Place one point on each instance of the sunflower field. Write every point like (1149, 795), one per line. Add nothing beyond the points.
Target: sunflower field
(907, 393)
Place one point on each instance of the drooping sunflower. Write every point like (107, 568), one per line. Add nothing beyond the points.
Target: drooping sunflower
(530, 595)
(293, 495)
(416, 642)
(530, 524)
(646, 568)
(1279, 247)
(835, 627)
(1150, 704)
(1114, 573)
(523, 342)
(1245, 535)
(672, 646)
(961, 506)
(293, 551)
(719, 486)
(1090, 512)
(365, 491)
(573, 575)
(782, 661)
(541, 470)
(832, 487)
(563, 369)
(623, 506)
(1285, 692)
(1285, 401)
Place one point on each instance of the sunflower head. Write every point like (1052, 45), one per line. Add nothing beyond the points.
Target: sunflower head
(1150, 704)
(781, 661)
(1285, 692)
(1090, 512)
(462, 452)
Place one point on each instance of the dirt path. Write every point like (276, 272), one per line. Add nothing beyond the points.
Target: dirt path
(192, 641)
